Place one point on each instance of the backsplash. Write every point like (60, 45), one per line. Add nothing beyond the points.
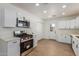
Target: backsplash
(8, 32)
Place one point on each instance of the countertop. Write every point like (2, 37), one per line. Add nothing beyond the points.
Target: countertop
(68, 32)
(8, 38)
(74, 36)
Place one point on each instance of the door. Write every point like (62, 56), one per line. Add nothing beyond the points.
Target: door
(10, 17)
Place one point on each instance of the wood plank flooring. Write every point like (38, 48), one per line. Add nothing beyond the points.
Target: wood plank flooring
(52, 48)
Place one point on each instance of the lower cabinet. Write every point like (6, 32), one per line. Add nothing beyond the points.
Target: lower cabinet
(35, 37)
(64, 38)
(75, 46)
(10, 48)
(68, 39)
(13, 48)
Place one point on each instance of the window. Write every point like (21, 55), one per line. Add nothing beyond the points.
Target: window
(52, 26)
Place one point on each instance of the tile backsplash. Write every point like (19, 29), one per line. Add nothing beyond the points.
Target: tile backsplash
(8, 32)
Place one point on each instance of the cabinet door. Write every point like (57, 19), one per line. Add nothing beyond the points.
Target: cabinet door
(62, 24)
(77, 23)
(13, 48)
(35, 40)
(10, 17)
(68, 23)
(78, 48)
(61, 38)
(68, 39)
(75, 45)
(72, 24)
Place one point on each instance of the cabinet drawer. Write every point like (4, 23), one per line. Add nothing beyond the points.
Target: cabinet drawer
(14, 42)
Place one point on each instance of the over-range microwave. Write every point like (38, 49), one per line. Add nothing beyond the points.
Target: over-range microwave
(22, 23)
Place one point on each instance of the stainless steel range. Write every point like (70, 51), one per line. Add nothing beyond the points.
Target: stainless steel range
(26, 42)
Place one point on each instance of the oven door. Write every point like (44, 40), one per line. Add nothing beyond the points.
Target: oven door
(24, 46)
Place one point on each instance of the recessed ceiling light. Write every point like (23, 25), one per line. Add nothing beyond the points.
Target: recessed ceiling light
(64, 6)
(37, 4)
(45, 11)
(63, 13)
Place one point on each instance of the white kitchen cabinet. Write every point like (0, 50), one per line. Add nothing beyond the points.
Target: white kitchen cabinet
(7, 17)
(35, 40)
(73, 24)
(64, 38)
(78, 48)
(10, 48)
(52, 35)
(75, 46)
(36, 28)
(74, 42)
(68, 24)
(77, 23)
(65, 24)
(68, 39)
(14, 48)
(62, 24)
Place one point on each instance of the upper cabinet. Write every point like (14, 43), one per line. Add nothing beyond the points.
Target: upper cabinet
(69, 24)
(77, 22)
(61, 24)
(7, 16)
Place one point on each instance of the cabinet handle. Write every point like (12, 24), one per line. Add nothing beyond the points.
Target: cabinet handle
(15, 42)
(73, 42)
(76, 46)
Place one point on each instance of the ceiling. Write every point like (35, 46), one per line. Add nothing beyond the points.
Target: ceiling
(53, 10)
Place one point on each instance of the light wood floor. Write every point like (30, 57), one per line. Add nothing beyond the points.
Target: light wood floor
(52, 48)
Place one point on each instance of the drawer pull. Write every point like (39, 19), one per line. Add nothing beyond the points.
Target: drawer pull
(15, 42)
(76, 46)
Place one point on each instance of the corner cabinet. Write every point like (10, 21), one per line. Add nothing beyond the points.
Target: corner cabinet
(7, 17)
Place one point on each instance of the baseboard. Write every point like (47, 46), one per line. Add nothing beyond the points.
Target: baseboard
(57, 41)
(63, 42)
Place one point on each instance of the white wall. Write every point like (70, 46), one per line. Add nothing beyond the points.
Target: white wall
(46, 29)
